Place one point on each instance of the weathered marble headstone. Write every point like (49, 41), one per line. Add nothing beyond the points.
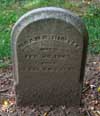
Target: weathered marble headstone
(49, 52)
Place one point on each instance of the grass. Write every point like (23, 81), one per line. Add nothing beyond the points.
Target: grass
(92, 21)
(11, 11)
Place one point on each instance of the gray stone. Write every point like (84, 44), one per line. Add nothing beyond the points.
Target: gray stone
(49, 52)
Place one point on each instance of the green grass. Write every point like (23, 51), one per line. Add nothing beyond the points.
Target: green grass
(11, 11)
(92, 22)
(93, 26)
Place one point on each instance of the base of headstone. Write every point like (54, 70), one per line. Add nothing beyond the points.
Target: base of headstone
(45, 94)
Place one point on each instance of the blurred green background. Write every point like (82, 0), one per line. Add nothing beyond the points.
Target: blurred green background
(11, 10)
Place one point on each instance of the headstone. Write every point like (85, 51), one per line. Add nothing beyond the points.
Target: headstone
(49, 52)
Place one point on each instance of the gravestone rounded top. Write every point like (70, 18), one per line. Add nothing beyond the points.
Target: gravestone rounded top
(48, 13)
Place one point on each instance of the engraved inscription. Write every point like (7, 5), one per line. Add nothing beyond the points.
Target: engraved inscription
(48, 58)
(47, 62)
(53, 37)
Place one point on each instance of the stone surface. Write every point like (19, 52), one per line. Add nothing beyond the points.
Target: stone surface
(49, 51)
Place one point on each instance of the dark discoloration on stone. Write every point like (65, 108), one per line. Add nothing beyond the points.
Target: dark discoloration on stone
(49, 52)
